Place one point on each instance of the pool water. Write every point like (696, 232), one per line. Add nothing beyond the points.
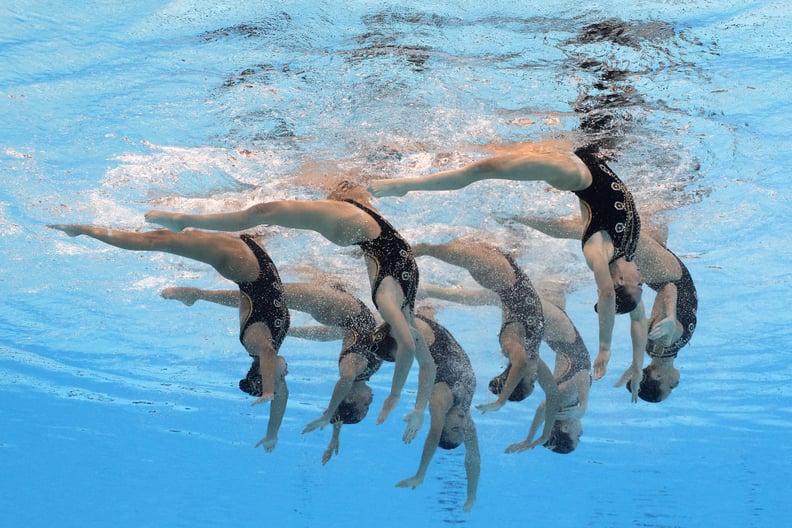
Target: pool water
(119, 407)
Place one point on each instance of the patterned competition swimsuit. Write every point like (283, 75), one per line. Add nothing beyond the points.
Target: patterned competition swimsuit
(522, 305)
(610, 205)
(393, 257)
(686, 307)
(362, 326)
(453, 365)
(265, 296)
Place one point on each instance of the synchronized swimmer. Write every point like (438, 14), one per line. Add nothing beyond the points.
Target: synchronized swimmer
(619, 255)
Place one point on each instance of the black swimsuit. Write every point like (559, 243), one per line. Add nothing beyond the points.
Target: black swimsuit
(393, 257)
(521, 304)
(453, 365)
(577, 358)
(686, 308)
(265, 297)
(610, 206)
(361, 327)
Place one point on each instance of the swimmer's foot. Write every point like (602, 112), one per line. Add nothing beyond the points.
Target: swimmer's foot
(165, 219)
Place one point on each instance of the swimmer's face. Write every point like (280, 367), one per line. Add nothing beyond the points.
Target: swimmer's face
(574, 428)
(667, 380)
(628, 275)
(455, 425)
(361, 397)
(634, 292)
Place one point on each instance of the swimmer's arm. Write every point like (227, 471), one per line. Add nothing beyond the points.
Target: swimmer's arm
(606, 305)
(638, 334)
(519, 367)
(472, 297)
(552, 400)
(349, 367)
(663, 330)
(536, 423)
(332, 447)
(472, 465)
(583, 384)
(277, 411)
(317, 333)
(439, 404)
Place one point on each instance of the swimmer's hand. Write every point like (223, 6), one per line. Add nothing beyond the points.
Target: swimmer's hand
(319, 423)
(380, 188)
(468, 506)
(170, 220)
(663, 330)
(634, 376)
(332, 449)
(388, 405)
(490, 407)
(601, 363)
(414, 422)
(268, 443)
(519, 447)
(264, 398)
(412, 482)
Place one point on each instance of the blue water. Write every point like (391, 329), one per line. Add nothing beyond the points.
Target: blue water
(118, 407)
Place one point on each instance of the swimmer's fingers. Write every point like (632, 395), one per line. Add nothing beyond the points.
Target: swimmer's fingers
(263, 399)
(268, 443)
(490, 407)
(414, 422)
(387, 407)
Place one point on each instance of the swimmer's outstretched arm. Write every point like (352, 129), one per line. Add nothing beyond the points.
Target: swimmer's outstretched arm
(472, 465)
(332, 447)
(665, 325)
(277, 411)
(552, 400)
(536, 423)
(638, 334)
(350, 367)
(439, 404)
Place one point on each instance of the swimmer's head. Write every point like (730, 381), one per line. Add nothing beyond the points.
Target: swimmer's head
(627, 298)
(656, 383)
(520, 392)
(382, 344)
(355, 406)
(251, 383)
(455, 428)
(565, 436)
(627, 285)
(347, 189)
